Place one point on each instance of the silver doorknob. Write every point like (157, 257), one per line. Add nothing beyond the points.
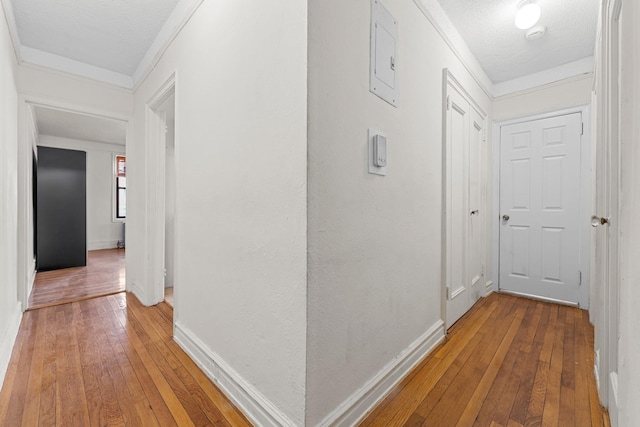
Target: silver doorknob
(505, 217)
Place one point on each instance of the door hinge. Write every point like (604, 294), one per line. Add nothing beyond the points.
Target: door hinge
(448, 105)
(582, 129)
(484, 135)
(448, 293)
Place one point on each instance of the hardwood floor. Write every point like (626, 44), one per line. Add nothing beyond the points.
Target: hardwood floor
(103, 275)
(107, 361)
(509, 362)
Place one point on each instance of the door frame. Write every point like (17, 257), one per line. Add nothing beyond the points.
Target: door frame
(607, 102)
(449, 79)
(585, 197)
(152, 290)
(26, 135)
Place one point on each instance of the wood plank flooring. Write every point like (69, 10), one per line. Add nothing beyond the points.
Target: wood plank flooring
(509, 362)
(107, 361)
(103, 275)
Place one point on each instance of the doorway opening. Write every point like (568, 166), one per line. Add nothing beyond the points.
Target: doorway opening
(73, 227)
(160, 128)
(168, 109)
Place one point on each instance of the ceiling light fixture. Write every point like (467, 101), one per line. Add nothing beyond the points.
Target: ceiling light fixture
(527, 14)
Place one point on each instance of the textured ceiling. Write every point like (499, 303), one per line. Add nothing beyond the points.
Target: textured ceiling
(65, 124)
(487, 27)
(110, 34)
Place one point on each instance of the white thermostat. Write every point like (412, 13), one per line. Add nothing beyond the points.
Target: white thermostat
(379, 150)
(377, 153)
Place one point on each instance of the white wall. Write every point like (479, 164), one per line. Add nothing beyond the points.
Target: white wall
(240, 197)
(102, 231)
(629, 343)
(554, 96)
(374, 280)
(9, 308)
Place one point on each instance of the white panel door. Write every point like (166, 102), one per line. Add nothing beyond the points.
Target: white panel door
(464, 139)
(539, 208)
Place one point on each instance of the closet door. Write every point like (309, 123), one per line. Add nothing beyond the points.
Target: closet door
(62, 209)
(464, 216)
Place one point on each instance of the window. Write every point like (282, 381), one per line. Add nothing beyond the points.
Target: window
(121, 187)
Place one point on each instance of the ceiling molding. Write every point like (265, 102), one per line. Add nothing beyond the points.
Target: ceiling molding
(60, 63)
(442, 24)
(438, 18)
(183, 11)
(81, 144)
(177, 20)
(572, 69)
(12, 27)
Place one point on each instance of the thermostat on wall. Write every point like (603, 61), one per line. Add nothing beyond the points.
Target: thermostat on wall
(377, 153)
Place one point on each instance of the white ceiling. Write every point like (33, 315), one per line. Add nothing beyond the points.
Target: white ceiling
(116, 40)
(110, 34)
(487, 27)
(66, 124)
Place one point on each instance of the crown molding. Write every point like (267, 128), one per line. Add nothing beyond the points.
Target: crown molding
(572, 69)
(25, 55)
(12, 27)
(185, 9)
(432, 10)
(60, 63)
(175, 23)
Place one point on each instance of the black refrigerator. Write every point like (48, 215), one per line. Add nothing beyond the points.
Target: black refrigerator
(61, 215)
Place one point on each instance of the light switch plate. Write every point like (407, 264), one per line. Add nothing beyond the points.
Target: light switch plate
(373, 168)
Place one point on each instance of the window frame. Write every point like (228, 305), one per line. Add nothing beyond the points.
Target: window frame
(116, 187)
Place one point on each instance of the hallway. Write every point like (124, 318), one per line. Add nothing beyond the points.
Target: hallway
(107, 361)
(508, 362)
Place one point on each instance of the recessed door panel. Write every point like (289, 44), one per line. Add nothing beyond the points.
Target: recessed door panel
(520, 242)
(552, 249)
(520, 178)
(553, 183)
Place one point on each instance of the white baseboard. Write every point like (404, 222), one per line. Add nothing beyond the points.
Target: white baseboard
(360, 403)
(96, 246)
(8, 340)
(253, 404)
(135, 289)
(488, 288)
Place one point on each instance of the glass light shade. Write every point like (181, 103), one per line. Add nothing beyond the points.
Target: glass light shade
(527, 16)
